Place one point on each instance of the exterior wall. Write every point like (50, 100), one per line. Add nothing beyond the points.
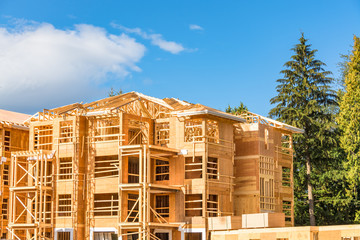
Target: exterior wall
(255, 143)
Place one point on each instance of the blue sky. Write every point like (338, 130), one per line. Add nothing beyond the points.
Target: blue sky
(210, 52)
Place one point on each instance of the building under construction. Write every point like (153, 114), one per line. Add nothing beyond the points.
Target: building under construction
(137, 167)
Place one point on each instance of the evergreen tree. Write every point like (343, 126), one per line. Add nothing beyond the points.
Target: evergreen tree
(237, 110)
(349, 121)
(113, 93)
(303, 100)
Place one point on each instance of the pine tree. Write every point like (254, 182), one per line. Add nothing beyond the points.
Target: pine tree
(113, 93)
(304, 97)
(349, 121)
(237, 110)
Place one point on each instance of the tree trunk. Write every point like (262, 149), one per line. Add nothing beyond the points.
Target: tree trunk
(310, 192)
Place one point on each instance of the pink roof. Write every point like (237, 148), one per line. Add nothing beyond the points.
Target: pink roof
(14, 117)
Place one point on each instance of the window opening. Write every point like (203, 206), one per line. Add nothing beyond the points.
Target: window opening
(162, 170)
(4, 210)
(286, 207)
(138, 132)
(107, 129)
(106, 204)
(105, 236)
(64, 205)
(193, 130)
(266, 139)
(66, 132)
(43, 137)
(286, 146)
(193, 167)
(106, 166)
(212, 168)
(212, 205)
(193, 205)
(7, 141)
(212, 131)
(193, 236)
(63, 235)
(286, 177)
(6, 175)
(162, 133)
(65, 168)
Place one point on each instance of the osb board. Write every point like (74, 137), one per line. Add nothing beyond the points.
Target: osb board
(64, 187)
(106, 185)
(224, 223)
(246, 205)
(106, 148)
(62, 222)
(106, 221)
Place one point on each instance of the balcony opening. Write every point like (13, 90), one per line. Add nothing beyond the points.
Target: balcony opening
(162, 170)
(133, 208)
(193, 167)
(162, 235)
(133, 170)
(162, 205)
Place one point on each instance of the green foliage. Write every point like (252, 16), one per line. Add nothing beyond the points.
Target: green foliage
(349, 121)
(113, 93)
(305, 100)
(237, 110)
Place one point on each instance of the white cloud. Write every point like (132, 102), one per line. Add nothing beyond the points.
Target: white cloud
(42, 66)
(156, 39)
(195, 27)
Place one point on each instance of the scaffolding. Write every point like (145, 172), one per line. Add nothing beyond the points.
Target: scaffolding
(31, 195)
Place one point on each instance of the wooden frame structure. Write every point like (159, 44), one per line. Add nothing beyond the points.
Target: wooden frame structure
(135, 166)
(31, 195)
(14, 136)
